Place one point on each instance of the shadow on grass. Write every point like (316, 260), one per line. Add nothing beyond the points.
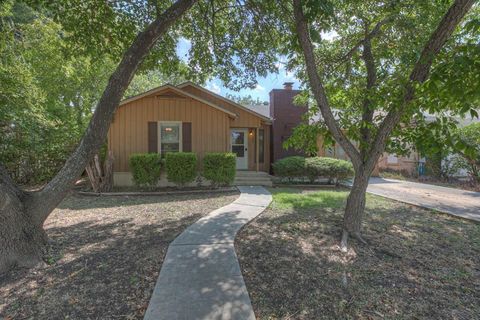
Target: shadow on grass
(104, 262)
(418, 264)
(92, 202)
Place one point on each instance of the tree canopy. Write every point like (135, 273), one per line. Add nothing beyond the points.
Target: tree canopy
(367, 81)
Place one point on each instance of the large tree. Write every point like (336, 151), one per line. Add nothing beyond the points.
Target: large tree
(227, 40)
(22, 214)
(370, 72)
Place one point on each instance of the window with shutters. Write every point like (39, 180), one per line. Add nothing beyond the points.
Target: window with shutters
(170, 137)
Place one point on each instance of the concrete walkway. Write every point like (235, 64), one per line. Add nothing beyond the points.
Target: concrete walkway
(461, 203)
(200, 276)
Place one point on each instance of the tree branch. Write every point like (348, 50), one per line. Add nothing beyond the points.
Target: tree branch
(420, 73)
(368, 37)
(368, 110)
(317, 86)
(47, 199)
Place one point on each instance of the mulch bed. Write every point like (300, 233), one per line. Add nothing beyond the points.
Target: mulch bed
(105, 256)
(418, 264)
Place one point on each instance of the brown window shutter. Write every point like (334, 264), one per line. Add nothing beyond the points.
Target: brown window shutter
(152, 137)
(187, 137)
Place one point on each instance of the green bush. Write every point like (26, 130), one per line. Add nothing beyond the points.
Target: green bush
(146, 168)
(290, 167)
(181, 167)
(219, 168)
(340, 169)
(313, 168)
(316, 167)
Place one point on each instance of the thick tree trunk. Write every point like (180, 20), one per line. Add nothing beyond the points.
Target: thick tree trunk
(355, 208)
(356, 205)
(21, 240)
(22, 214)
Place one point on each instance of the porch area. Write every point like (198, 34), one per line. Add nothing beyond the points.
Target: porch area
(252, 178)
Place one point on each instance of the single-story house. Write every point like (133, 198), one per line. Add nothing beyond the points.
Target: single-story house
(187, 118)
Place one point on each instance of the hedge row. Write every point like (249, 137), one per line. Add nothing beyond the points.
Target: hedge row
(181, 168)
(313, 168)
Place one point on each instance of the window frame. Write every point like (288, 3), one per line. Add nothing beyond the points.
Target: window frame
(180, 134)
(261, 144)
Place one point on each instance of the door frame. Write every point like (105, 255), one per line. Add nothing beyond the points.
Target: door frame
(245, 146)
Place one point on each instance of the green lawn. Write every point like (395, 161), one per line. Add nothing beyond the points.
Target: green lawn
(418, 264)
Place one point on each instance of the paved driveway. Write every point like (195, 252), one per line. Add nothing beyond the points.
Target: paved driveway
(465, 204)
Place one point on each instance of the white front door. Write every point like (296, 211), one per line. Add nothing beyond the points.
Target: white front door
(238, 141)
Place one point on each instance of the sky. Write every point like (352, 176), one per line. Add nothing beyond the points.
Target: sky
(261, 91)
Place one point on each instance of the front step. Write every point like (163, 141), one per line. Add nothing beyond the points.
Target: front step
(252, 178)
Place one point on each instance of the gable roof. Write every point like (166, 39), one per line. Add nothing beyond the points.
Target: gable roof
(179, 92)
(233, 103)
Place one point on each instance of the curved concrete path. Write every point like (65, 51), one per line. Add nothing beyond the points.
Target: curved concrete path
(200, 276)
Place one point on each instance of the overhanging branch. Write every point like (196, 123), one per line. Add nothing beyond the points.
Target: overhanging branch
(317, 86)
(46, 200)
(420, 72)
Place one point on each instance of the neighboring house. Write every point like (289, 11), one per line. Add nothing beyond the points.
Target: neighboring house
(187, 118)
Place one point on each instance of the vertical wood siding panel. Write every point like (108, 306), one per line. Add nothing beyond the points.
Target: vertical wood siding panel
(116, 144)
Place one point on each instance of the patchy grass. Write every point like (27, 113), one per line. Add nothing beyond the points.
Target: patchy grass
(418, 265)
(105, 258)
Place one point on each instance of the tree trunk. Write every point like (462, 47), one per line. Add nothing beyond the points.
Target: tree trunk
(22, 214)
(101, 176)
(355, 208)
(22, 242)
(356, 205)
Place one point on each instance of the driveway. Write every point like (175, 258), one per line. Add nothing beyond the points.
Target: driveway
(461, 203)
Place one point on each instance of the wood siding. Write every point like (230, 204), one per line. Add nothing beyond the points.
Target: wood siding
(128, 133)
(210, 127)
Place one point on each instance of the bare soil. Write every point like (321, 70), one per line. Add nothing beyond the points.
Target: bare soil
(419, 264)
(105, 256)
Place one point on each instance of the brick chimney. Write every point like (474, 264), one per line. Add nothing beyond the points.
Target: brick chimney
(288, 85)
(286, 116)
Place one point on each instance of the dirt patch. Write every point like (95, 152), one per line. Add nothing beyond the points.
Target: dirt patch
(418, 265)
(106, 253)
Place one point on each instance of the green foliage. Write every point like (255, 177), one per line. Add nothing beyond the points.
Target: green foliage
(247, 100)
(146, 169)
(453, 87)
(469, 136)
(181, 167)
(46, 94)
(219, 168)
(150, 79)
(290, 167)
(325, 167)
(313, 168)
(304, 138)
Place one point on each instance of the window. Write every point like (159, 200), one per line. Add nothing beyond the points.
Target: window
(170, 137)
(261, 147)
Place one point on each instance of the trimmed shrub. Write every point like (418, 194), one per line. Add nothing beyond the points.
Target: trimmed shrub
(340, 169)
(181, 167)
(219, 167)
(316, 167)
(290, 167)
(313, 168)
(146, 169)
